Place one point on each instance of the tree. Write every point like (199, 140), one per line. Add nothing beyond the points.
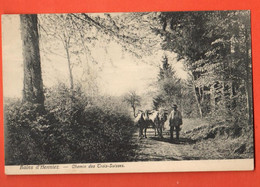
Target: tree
(58, 29)
(133, 100)
(183, 34)
(80, 34)
(215, 47)
(169, 86)
(165, 71)
(33, 85)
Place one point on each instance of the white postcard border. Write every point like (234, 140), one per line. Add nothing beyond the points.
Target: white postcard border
(133, 167)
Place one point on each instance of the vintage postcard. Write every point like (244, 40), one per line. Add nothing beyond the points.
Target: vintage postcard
(127, 92)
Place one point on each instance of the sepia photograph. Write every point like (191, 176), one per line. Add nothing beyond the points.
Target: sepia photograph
(127, 92)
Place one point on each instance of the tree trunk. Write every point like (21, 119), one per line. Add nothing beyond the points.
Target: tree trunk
(212, 98)
(248, 82)
(70, 68)
(196, 97)
(134, 111)
(33, 85)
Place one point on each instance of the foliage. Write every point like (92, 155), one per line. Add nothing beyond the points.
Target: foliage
(218, 140)
(169, 85)
(76, 38)
(72, 130)
(25, 133)
(216, 49)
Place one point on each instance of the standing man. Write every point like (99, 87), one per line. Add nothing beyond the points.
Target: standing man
(175, 120)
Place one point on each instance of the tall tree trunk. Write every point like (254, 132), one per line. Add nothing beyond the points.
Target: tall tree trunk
(70, 68)
(196, 97)
(33, 85)
(248, 82)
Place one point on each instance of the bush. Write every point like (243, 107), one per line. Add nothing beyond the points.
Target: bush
(72, 130)
(221, 141)
(24, 134)
(107, 134)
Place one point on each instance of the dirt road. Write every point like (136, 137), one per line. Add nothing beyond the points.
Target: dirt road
(154, 148)
(195, 144)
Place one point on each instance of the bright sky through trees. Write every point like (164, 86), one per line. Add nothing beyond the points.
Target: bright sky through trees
(120, 74)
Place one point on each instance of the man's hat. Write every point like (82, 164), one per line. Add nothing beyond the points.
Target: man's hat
(174, 106)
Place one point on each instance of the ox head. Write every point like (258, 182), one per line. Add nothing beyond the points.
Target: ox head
(163, 114)
(141, 113)
(139, 117)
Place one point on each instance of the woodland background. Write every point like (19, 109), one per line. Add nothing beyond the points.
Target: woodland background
(75, 122)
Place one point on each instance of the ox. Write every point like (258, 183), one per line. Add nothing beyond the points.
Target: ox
(154, 119)
(158, 119)
(142, 122)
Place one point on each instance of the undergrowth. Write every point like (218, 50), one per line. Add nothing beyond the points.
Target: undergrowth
(221, 141)
(73, 129)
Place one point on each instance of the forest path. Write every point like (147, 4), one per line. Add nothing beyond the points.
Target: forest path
(154, 148)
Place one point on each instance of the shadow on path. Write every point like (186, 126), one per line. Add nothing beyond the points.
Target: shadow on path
(174, 141)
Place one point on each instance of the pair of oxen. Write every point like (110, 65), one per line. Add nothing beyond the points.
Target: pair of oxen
(151, 118)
